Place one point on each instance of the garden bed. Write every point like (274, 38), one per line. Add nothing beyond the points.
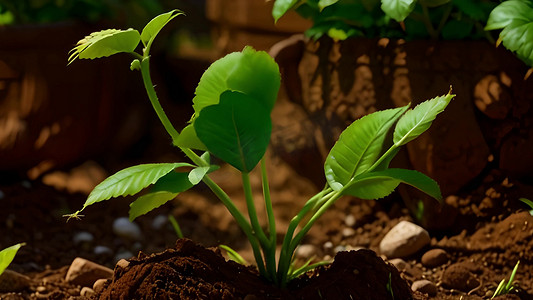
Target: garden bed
(491, 233)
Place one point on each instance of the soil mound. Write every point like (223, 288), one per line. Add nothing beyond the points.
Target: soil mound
(190, 271)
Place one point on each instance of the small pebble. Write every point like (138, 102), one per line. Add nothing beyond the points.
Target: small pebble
(102, 250)
(434, 258)
(424, 286)
(41, 289)
(339, 248)
(123, 228)
(327, 246)
(159, 221)
(86, 292)
(404, 239)
(399, 263)
(305, 251)
(84, 272)
(348, 232)
(349, 220)
(122, 264)
(99, 285)
(82, 237)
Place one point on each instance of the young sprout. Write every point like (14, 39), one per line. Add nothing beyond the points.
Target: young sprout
(505, 288)
(232, 107)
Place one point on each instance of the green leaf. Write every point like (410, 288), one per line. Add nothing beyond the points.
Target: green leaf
(359, 146)
(189, 139)
(153, 27)
(325, 3)
(105, 43)
(237, 129)
(516, 19)
(164, 190)
(398, 9)
(508, 12)
(197, 174)
(254, 73)
(414, 122)
(378, 184)
(149, 202)
(281, 7)
(130, 181)
(7, 255)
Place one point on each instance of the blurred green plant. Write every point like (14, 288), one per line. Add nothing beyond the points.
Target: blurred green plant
(515, 18)
(409, 19)
(419, 19)
(231, 120)
(506, 287)
(7, 255)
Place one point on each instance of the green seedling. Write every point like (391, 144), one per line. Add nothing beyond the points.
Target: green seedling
(231, 120)
(7, 255)
(528, 203)
(506, 287)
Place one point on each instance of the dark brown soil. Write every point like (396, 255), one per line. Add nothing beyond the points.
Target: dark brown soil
(190, 271)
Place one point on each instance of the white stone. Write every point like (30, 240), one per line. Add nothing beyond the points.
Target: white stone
(403, 240)
(102, 250)
(328, 246)
(305, 251)
(99, 285)
(349, 220)
(123, 228)
(84, 272)
(82, 237)
(159, 221)
(348, 232)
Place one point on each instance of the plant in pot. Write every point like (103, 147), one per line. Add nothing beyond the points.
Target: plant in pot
(362, 56)
(231, 120)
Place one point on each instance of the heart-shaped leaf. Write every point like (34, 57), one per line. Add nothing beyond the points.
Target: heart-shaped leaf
(414, 122)
(254, 73)
(237, 129)
(359, 146)
(105, 43)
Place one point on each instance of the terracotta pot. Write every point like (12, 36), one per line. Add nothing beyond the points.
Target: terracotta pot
(51, 115)
(330, 84)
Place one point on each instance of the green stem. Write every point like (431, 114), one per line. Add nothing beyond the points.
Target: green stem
(226, 200)
(152, 95)
(239, 218)
(286, 255)
(382, 158)
(252, 211)
(270, 255)
(299, 236)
